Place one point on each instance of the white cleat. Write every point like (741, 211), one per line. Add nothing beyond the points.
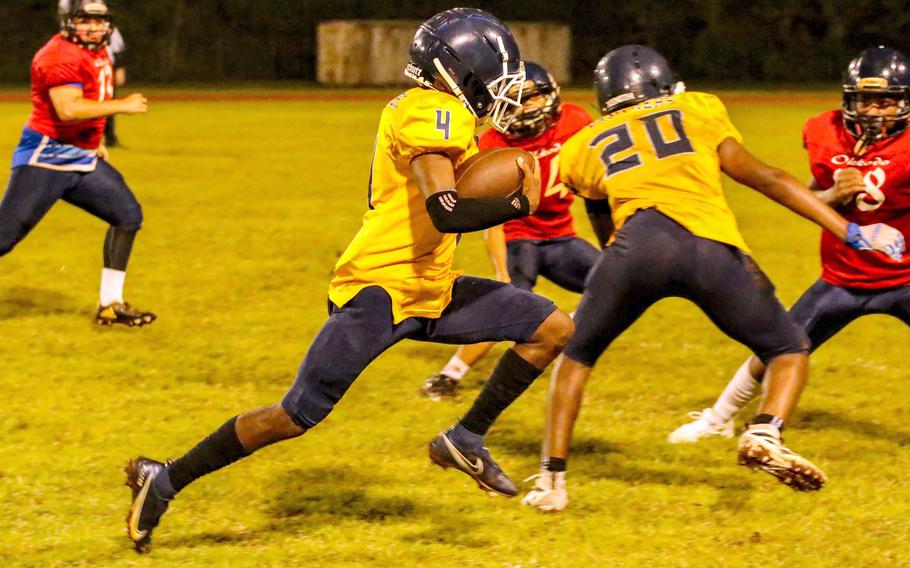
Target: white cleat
(761, 449)
(549, 493)
(704, 426)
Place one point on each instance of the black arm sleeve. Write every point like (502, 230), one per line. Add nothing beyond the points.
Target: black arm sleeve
(601, 218)
(453, 214)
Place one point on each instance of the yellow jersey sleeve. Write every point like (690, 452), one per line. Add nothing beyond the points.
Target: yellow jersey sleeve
(435, 123)
(717, 120)
(580, 169)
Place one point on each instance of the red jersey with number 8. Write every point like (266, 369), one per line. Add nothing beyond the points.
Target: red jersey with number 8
(63, 63)
(886, 171)
(552, 219)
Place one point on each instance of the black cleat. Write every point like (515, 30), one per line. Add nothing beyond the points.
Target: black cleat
(439, 386)
(123, 314)
(477, 464)
(147, 507)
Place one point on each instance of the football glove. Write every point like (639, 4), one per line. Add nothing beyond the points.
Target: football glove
(879, 236)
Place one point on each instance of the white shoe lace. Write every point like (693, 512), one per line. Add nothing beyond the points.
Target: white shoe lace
(549, 493)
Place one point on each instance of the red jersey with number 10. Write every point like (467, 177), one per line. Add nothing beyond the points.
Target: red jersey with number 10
(552, 219)
(59, 63)
(886, 170)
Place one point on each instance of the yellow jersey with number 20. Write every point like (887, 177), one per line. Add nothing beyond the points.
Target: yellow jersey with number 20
(398, 248)
(660, 154)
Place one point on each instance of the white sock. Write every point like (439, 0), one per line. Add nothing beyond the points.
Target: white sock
(112, 286)
(456, 368)
(740, 390)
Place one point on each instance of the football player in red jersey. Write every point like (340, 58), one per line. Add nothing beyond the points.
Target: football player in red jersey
(545, 243)
(60, 155)
(860, 162)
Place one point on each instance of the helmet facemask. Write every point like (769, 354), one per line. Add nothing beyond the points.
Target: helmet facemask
(870, 128)
(535, 120)
(506, 92)
(471, 55)
(88, 11)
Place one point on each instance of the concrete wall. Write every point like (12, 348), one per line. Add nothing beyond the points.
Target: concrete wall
(374, 52)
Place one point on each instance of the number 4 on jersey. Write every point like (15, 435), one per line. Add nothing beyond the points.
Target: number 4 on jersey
(623, 141)
(443, 122)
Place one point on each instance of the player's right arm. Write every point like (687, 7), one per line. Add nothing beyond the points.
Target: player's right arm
(435, 175)
(70, 104)
(742, 166)
(848, 182)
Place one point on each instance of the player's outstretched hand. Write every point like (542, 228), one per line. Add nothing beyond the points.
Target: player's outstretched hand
(530, 185)
(134, 104)
(848, 182)
(879, 236)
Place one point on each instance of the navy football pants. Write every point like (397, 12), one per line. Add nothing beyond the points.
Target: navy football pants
(361, 330)
(32, 191)
(825, 309)
(564, 261)
(653, 257)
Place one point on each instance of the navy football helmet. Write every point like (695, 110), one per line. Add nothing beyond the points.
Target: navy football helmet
(85, 9)
(631, 74)
(534, 120)
(473, 56)
(875, 74)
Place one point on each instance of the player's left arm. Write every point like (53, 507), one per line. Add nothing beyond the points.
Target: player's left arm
(775, 183)
(601, 218)
(435, 175)
(495, 238)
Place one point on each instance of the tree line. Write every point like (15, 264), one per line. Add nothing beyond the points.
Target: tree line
(711, 40)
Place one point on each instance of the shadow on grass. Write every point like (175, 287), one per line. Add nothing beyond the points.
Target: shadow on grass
(815, 419)
(22, 301)
(684, 474)
(330, 496)
(335, 494)
(528, 444)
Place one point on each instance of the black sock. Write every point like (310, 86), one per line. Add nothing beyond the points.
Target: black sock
(221, 448)
(554, 464)
(769, 419)
(511, 377)
(118, 245)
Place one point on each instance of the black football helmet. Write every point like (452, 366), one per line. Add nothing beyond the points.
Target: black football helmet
(473, 56)
(533, 121)
(879, 72)
(85, 9)
(631, 74)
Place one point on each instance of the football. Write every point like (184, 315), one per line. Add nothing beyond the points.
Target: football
(492, 173)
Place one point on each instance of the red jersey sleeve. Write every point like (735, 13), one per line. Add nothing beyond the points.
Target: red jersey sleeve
(820, 139)
(491, 139)
(574, 119)
(54, 72)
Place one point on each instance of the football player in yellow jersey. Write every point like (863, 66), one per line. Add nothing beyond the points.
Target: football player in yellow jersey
(395, 281)
(654, 160)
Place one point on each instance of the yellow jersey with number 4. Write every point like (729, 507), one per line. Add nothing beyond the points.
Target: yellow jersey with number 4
(660, 154)
(398, 248)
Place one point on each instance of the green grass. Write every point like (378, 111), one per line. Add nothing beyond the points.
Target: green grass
(247, 207)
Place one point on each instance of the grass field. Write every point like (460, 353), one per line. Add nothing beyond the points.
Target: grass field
(247, 206)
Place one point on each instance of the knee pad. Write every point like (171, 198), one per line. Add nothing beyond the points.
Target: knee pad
(794, 342)
(130, 219)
